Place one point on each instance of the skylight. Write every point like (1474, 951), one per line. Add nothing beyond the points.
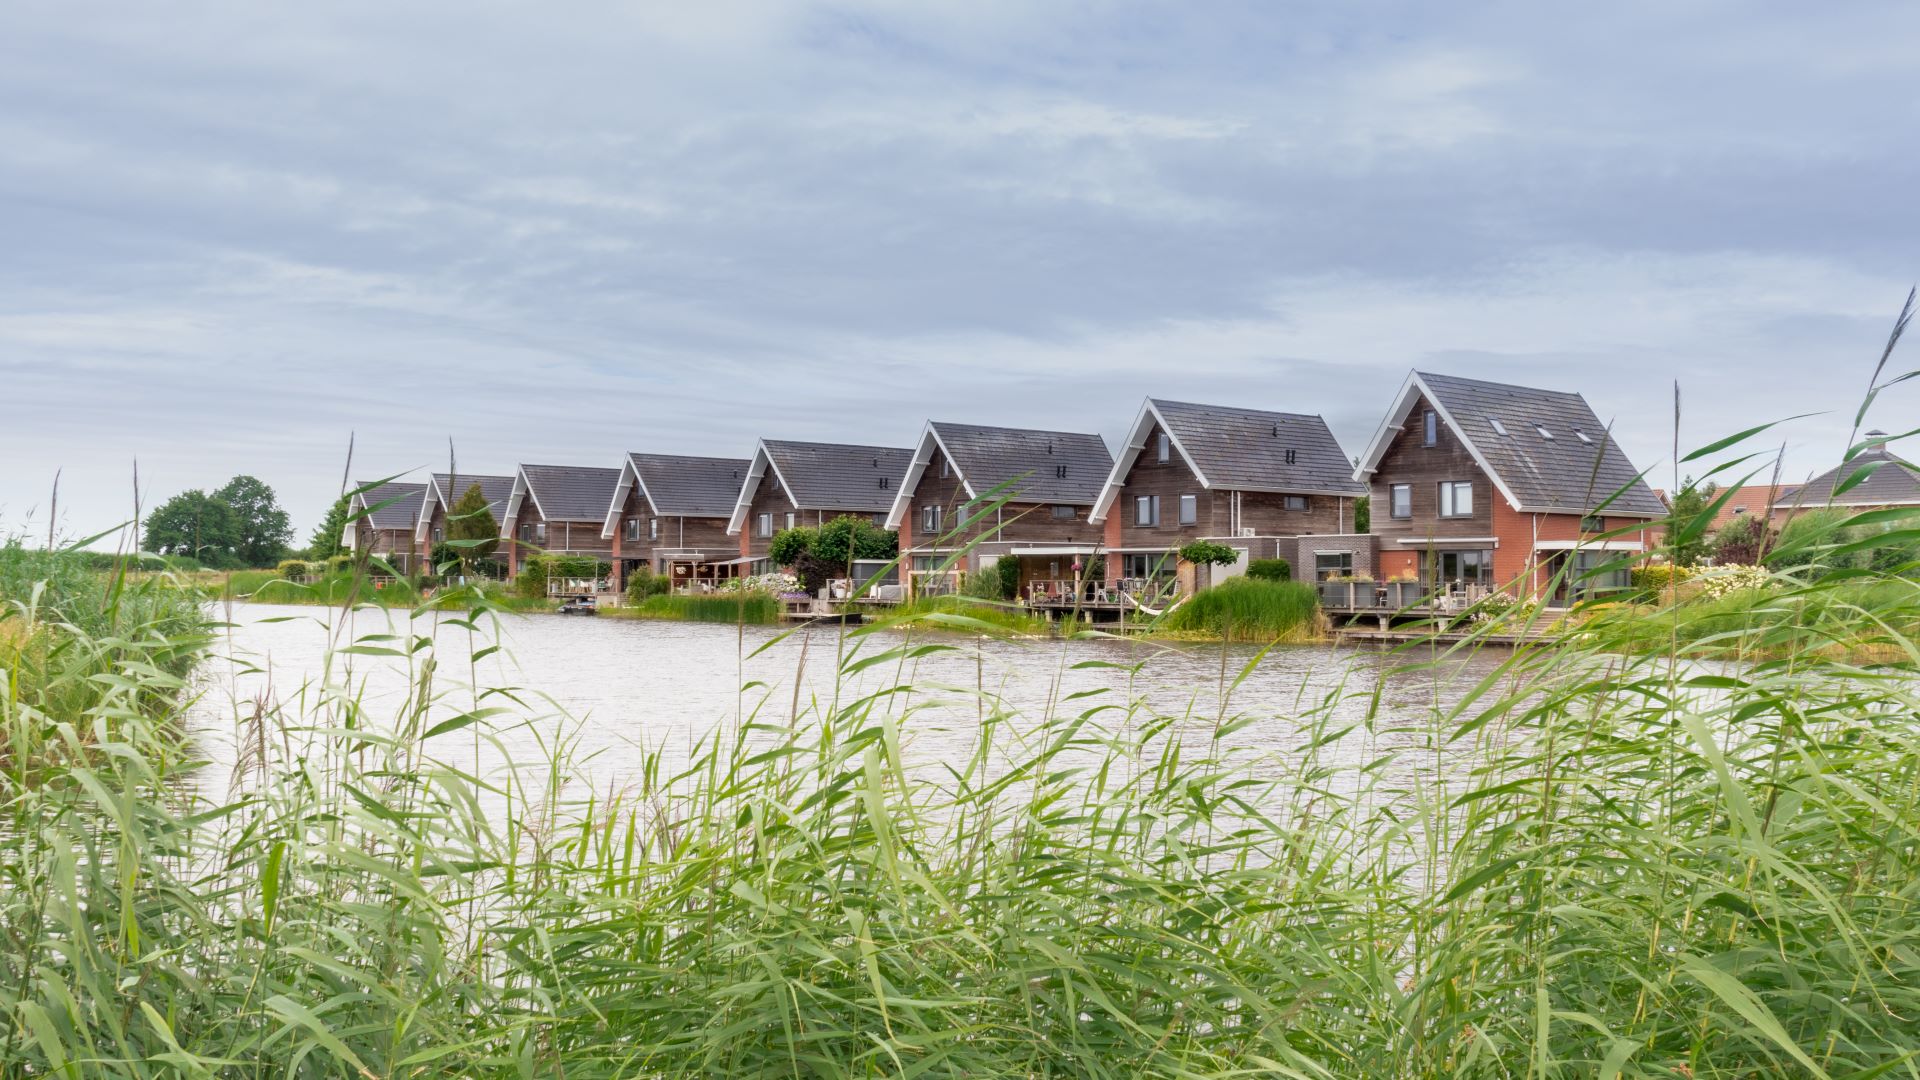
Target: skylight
(1582, 436)
(1544, 433)
(1498, 427)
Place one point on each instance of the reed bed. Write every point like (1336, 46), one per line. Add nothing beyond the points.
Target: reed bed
(744, 607)
(1249, 610)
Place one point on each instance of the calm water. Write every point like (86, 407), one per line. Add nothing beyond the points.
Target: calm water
(622, 687)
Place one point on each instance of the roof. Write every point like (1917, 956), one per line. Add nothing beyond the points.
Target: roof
(1235, 449)
(564, 492)
(824, 476)
(1894, 481)
(1555, 455)
(1754, 499)
(675, 485)
(402, 504)
(1028, 461)
(497, 489)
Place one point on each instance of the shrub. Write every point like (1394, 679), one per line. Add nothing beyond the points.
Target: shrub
(1247, 609)
(1742, 540)
(986, 583)
(643, 583)
(1654, 580)
(294, 569)
(751, 608)
(1008, 568)
(1725, 580)
(1270, 570)
(1208, 553)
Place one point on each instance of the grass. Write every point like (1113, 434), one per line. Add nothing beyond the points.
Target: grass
(1247, 610)
(965, 614)
(750, 608)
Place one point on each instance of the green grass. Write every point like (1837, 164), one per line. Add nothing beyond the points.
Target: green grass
(751, 608)
(964, 614)
(1248, 610)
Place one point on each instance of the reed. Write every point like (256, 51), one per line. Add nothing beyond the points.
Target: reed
(745, 607)
(1248, 609)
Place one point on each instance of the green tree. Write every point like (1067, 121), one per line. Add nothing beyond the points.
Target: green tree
(261, 529)
(817, 555)
(1741, 541)
(1363, 514)
(473, 528)
(327, 537)
(196, 525)
(1687, 524)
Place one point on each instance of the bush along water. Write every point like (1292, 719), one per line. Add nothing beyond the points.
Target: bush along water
(1247, 609)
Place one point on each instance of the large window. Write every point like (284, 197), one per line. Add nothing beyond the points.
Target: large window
(633, 529)
(1147, 564)
(1429, 428)
(1456, 498)
(930, 519)
(1594, 523)
(765, 525)
(1189, 509)
(1463, 567)
(653, 528)
(792, 519)
(1401, 498)
(526, 533)
(1332, 564)
(1146, 510)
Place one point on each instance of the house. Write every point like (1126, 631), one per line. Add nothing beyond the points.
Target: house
(444, 492)
(1481, 485)
(1046, 483)
(1249, 479)
(790, 484)
(1893, 482)
(669, 516)
(387, 532)
(558, 510)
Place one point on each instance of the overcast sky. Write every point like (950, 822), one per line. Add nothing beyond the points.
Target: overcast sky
(231, 233)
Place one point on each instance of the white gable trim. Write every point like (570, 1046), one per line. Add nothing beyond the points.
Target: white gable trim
(1416, 387)
(435, 497)
(1130, 452)
(762, 464)
(629, 479)
(522, 490)
(922, 457)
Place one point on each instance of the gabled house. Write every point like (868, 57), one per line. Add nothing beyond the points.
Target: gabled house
(387, 533)
(560, 510)
(669, 515)
(1250, 479)
(790, 484)
(1046, 481)
(1893, 482)
(1481, 485)
(444, 492)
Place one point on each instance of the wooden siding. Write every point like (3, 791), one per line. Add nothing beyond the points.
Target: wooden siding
(1407, 461)
(1264, 512)
(1020, 523)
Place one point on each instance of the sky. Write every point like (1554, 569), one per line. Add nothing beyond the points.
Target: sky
(233, 235)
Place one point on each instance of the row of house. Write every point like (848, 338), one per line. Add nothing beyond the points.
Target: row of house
(1473, 485)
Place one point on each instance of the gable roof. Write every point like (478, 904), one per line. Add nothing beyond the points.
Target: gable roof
(403, 504)
(1025, 459)
(1555, 457)
(497, 489)
(563, 492)
(1235, 449)
(1894, 482)
(824, 476)
(675, 485)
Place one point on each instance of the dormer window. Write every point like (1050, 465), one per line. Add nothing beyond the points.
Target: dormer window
(1498, 427)
(1582, 436)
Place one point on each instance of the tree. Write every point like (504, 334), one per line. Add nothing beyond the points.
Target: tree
(1687, 525)
(472, 527)
(1363, 514)
(327, 537)
(817, 555)
(261, 530)
(196, 525)
(1741, 541)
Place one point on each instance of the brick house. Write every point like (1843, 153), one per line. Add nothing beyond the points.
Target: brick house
(444, 492)
(558, 510)
(1258, 481)
(1480, 485)
(669, 515)
(386, 530)
(1045, 481)
(790, 484)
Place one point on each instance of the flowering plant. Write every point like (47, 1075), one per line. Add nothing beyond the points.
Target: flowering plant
(767, 583)
(1726, 580)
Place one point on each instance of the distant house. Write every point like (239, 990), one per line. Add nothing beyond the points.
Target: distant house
(1893, 482)
(1755, 500)
(1481, 485)
(387, 532)
(1250, 479)
(559, 510)
(790, 484)
(1049, 481)
(669, 515)
(444, 492)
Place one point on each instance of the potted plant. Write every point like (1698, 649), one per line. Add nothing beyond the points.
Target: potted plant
(1404, 591)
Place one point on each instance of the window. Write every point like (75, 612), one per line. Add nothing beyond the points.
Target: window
(1189, 509)
(1401, 501)
(1456, 498)
(1430, 428)
(633, 528)
(1165, 452)
(440, 534)
(880, 520)
(1146, 565)
(1062, 512)
(927, 564)
(792, 519)
(653, 528)
(1498, 427)
(1593, 523)
(1296, 502)
(1544, 433)
(765, 525)
(1332, 564)
(930, 519)
(1146, 510)
(1464, 567)
(1582, 436)
(526, 533)
(946, 467)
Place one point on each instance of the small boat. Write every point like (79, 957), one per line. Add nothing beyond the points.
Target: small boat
(578, 605)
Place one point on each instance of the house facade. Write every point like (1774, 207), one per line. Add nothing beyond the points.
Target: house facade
(1257, 481)
(669, 516)
(974, 494)
(383, 526)
(444, 492)
(1477, 486)
(558, 510)
(789, 484)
